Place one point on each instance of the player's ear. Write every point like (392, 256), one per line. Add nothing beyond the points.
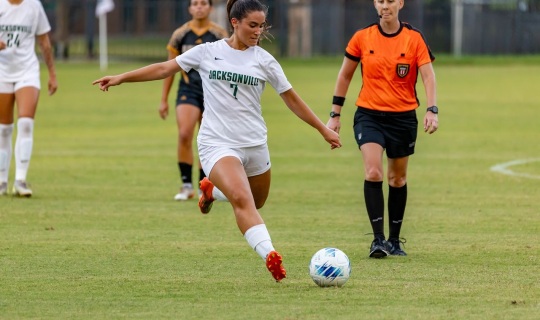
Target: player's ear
(234, 21)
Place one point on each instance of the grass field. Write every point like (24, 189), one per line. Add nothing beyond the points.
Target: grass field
(103, 239)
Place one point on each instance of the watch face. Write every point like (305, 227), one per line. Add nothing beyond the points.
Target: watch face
(333, 114)
(434, 109)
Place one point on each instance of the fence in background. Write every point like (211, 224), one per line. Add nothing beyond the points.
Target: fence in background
(496, 27)
(302, 28)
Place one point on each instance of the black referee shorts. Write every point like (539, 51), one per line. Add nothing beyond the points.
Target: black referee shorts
(394, 131)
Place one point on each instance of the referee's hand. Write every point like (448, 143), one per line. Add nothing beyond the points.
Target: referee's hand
(431, 122)
(334, 124)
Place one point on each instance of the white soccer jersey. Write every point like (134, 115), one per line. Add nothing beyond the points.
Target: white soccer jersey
(233, 82)
(19, 26)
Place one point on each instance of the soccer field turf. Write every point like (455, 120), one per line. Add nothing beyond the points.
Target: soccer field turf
(102, 238)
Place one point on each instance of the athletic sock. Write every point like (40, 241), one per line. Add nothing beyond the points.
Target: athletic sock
(185, 172)
(6, 133)
(397, 200)
(218, 195)
(259, 239)
(23, 147)
(374, 198)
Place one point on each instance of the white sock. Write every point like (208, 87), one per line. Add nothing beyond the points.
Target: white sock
(259, 239)
(6, 133)
(218, 195)
(23, 147)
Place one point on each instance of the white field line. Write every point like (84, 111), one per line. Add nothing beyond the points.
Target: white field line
(504, 168)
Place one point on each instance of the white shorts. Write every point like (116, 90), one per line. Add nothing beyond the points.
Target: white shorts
(256, 160)
(12, 87)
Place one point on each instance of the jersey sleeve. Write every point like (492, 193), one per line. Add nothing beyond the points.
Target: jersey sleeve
(43, 25)
(192, 58)
(353, 50)
(423, 52)
(175, 42)
(274, 73)
(172, 49)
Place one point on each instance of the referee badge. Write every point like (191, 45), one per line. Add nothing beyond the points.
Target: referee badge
(402, 70)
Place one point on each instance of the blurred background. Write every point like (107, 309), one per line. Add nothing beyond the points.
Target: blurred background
(140, 29)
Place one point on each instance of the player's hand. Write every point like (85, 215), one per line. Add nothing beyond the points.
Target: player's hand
(334, 124)
(106, 82)
(431, 122)
(2, 45)
(53, 85)
(332, 137)
(163, 110)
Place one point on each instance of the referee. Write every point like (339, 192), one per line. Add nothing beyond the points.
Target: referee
(391, 53)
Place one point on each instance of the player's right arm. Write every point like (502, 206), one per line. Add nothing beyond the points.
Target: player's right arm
(167, 84)
(151, 72)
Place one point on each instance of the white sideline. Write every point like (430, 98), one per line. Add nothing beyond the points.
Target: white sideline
(503, 168)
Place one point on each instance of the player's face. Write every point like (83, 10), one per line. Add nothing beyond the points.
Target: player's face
(249, 29)
(199, 9)
(388, 9)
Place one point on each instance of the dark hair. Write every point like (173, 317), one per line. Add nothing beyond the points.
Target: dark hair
(239, 9)
(209, 2)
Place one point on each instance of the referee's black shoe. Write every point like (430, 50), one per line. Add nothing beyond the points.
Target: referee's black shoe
(394, 247)
(378, 248)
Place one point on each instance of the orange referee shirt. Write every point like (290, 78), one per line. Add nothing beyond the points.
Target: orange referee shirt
(389, 65)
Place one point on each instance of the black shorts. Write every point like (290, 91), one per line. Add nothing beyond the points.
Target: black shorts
(394, 131)
(186, 95)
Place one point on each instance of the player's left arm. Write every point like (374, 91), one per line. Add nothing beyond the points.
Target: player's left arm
(431, 120)
(46, 50)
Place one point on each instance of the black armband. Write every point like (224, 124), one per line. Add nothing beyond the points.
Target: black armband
(338, 101)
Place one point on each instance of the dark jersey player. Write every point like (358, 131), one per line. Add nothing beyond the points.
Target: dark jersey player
(189, 101)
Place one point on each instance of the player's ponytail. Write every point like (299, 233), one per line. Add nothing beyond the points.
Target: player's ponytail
(230, 3)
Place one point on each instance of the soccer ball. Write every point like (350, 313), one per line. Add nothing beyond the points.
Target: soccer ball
(330, 267)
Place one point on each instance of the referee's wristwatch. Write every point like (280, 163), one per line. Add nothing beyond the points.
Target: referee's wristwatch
(433, 109)
(334, 114)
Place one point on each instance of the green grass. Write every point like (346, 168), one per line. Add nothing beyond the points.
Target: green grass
(102, 238)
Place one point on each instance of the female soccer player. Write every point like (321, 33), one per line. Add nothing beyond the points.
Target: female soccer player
(392, 53)
(21, 22)
(232, 139)
(189, 99)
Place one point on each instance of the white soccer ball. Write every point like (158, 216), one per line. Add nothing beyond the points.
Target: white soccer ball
(330, 267)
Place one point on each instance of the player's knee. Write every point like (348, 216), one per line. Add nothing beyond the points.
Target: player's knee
(185, 137)
(397, 181)
(25, 127)
(374, 174)
(243, 201)
(6, 130)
